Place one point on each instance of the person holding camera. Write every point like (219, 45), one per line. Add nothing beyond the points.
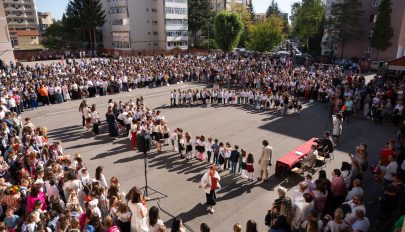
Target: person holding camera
(359, 161)
(265, 161)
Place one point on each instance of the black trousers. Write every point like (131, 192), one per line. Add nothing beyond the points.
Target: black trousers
(211, 198)
(95, 128)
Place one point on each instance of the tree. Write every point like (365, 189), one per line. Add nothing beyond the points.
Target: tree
(344, 24)
(266, 34)
(54, 36)
(382, 31)
(306, 19)
(251, 10)
(200, 16)
(228, 29)
(83, 17)
(93, 16)
(273, 9)
(246, 18)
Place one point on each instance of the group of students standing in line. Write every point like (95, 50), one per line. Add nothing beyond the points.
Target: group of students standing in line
(258, 98)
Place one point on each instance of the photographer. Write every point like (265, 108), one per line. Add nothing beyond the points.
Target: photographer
(359, 161)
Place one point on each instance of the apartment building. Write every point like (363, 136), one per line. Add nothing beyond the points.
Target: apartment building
(327, 45)
(20, 15)
(145, 25)
(263, 16)
(45, 20)
(6, 50)
(220, 5)
(362, 48)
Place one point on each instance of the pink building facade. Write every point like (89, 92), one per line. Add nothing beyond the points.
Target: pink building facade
(362, 48)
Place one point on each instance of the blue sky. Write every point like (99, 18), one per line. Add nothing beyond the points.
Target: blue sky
(57, 7)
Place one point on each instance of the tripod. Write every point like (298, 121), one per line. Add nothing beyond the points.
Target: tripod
(146, 188)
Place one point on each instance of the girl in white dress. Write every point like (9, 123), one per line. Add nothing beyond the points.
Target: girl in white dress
(65, 92)
(139, 212)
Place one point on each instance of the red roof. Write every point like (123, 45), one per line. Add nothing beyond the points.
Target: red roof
(27, 33)
(397, 62)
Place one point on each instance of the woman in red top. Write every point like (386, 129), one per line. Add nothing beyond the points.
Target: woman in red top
(338, 189)
(210, 183)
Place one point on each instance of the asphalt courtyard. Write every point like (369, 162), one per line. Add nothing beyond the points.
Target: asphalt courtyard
(238, 200)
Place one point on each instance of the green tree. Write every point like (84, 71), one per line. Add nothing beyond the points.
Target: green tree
(54, 37)
(273, 9)
(251, 10)
(306, 19)
(200, 17)
(266, 34)
(382, 31)
(93, 16)
(246, 18)
(83, 17)
(228, 30)
(344, 24)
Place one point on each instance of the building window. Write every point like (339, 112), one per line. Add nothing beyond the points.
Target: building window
(177, 43)
(176, 10)
(176, 33)
(117, 10)
(373, 18)
(122, 36)
(124, 21)
(368, 50)
(119, 44)
(375, 3)
(183, 22)
(154, 10)
(155, 33)
(14, 41)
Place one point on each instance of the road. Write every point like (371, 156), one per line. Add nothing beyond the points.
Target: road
(238, 200)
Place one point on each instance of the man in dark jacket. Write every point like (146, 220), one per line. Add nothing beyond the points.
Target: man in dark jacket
(234, 158)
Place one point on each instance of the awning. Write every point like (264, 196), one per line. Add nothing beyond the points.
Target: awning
(397, 64)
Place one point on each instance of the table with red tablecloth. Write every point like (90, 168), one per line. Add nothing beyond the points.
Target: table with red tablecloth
(287, 161)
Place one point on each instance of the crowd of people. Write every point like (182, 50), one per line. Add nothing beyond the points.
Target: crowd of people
(263, 81)
(42, 189)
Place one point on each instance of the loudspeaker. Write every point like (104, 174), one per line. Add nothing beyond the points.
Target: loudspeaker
(143, 142)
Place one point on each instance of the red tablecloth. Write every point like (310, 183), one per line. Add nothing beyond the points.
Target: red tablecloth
(288, 160)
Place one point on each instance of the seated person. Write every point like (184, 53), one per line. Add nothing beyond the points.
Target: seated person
(307, 161)
(325, 144)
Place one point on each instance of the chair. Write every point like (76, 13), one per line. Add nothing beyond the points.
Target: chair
(322, 160)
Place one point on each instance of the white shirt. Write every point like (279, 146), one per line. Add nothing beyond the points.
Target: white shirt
(11, 102)
(355, 191)
(361, 225)
(297, 196)
(391, 169)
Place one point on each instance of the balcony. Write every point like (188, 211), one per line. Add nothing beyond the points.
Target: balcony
(117, 3)
(16, 15)
(120, 27)
(13, 8)
(176, 27)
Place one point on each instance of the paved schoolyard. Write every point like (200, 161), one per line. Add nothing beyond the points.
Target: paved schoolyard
(238, 200)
